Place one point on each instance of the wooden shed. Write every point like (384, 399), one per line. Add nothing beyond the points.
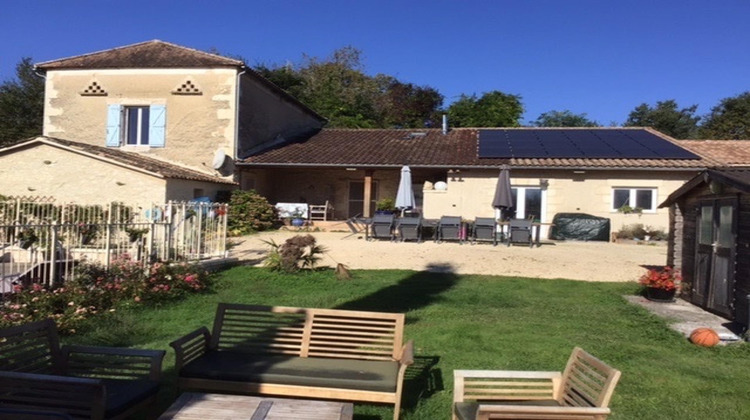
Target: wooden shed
(709, 241)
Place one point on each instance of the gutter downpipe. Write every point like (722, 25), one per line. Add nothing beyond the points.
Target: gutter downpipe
(237, 121)
(44, 99)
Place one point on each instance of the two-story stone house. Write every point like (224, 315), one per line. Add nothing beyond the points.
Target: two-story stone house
(149, 122)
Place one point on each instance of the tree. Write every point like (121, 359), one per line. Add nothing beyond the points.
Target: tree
(666, 118)
(492, 109)
(407, 105)
(729, 120)
(564, 119)
(21, 104)
(338, 88)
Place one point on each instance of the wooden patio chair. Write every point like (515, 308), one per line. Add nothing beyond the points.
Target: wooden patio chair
(581, 392)
(321, 211)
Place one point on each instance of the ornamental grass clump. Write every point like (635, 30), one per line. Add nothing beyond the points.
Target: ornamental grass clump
(665, 279)
(296, 253)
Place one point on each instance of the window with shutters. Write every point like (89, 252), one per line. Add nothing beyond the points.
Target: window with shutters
(136, 125)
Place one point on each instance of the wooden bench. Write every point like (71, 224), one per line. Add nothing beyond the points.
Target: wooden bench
(78, 381)
(301, 352)
(581, 392)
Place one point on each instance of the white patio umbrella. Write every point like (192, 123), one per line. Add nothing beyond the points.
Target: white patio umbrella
(503, 199)
(405, 195)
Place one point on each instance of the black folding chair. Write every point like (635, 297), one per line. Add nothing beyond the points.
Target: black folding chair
(410, 229)
(484, 229)
(449, 229)
(381, 226)
(519, 231)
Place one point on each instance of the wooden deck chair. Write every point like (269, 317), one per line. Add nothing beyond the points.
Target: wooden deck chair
(581, 392)
(321, 211)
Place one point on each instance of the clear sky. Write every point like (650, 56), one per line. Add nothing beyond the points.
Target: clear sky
(599, 57)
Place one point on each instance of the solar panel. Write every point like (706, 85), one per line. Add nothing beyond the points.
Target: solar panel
(600, 143)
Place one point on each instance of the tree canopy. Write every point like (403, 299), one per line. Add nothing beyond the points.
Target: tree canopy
(21, 104)
(667, 118)
(492, 109)
(338, 88)
(730, 120)
(563, 118)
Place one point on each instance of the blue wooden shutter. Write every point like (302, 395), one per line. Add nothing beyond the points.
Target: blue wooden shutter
(157, 125)
(113, 125)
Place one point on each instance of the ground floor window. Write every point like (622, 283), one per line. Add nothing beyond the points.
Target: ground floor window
(634, 199)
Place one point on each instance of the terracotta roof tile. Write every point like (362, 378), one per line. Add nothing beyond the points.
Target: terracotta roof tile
(149, 54)
(458, 148)
(137, 160)
(726, 152)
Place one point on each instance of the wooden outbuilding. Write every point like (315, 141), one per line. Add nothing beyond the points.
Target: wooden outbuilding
(709, 241)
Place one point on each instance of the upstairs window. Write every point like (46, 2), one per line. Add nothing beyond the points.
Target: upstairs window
(634, 198)
(136, 125)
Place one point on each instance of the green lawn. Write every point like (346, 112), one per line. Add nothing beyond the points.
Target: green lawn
(481, 322)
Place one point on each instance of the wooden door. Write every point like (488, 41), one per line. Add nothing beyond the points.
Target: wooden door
(713, 287)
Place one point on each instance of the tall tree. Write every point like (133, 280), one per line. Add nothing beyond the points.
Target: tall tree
(492, 109)
(563, 118)
(407, 105)
(667, 118)
(338, 88)
(729, 120)
(21, 104)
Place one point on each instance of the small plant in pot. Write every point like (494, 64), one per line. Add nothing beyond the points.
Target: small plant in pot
(661, 285)
(385, 206)
(297, 218)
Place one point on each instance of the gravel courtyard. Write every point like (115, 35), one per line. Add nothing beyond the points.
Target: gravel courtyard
(591, 261)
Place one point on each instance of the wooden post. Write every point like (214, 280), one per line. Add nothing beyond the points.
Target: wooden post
(367, 195)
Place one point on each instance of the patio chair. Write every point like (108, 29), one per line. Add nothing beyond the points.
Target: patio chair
(36, 374)
(381, 226)
(581, 391)
(448, 229)
(410, 229)
(519, 231)
(321, 212)
(484, 229)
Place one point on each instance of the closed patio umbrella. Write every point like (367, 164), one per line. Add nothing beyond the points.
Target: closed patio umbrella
(405, 195)
(503, 194)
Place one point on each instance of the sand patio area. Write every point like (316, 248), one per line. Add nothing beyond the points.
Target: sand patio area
(591, 261)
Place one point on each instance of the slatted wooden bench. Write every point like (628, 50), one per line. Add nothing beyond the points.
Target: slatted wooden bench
(301, 352)
(86, 382)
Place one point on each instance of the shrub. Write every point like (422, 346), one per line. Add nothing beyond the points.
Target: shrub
(631, 231)
(250, 212)
(97, 290)
(297, 252)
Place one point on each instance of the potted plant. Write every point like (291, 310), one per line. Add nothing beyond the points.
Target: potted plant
(661, 285)
(297, 219)
(385, 206)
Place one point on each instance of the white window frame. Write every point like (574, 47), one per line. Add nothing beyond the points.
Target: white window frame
(127, 115)
(521, 201)
(632, 198)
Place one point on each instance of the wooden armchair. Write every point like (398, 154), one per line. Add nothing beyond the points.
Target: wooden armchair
(581, 392)
(321, 211)
(81, 382)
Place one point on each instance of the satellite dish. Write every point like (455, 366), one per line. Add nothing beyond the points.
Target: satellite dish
(219, 158)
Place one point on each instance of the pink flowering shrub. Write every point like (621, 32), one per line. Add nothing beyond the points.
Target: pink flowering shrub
(95, 290)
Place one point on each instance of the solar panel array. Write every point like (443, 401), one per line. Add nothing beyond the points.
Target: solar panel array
(578, 143)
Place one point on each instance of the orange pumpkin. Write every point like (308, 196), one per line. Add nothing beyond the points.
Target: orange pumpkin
(704, 337)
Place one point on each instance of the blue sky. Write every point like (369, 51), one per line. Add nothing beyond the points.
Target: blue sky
(601, 58)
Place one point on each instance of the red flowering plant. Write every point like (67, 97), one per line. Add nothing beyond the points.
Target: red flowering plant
(666, 279)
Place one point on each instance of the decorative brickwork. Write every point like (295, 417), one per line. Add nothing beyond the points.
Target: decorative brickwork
(187, 88)
(94, 89)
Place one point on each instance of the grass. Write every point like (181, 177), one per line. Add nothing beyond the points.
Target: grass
(479, 322)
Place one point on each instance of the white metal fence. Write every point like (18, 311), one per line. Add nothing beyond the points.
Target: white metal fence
(41, 241)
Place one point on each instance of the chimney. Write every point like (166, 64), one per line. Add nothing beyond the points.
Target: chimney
(445, 124)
